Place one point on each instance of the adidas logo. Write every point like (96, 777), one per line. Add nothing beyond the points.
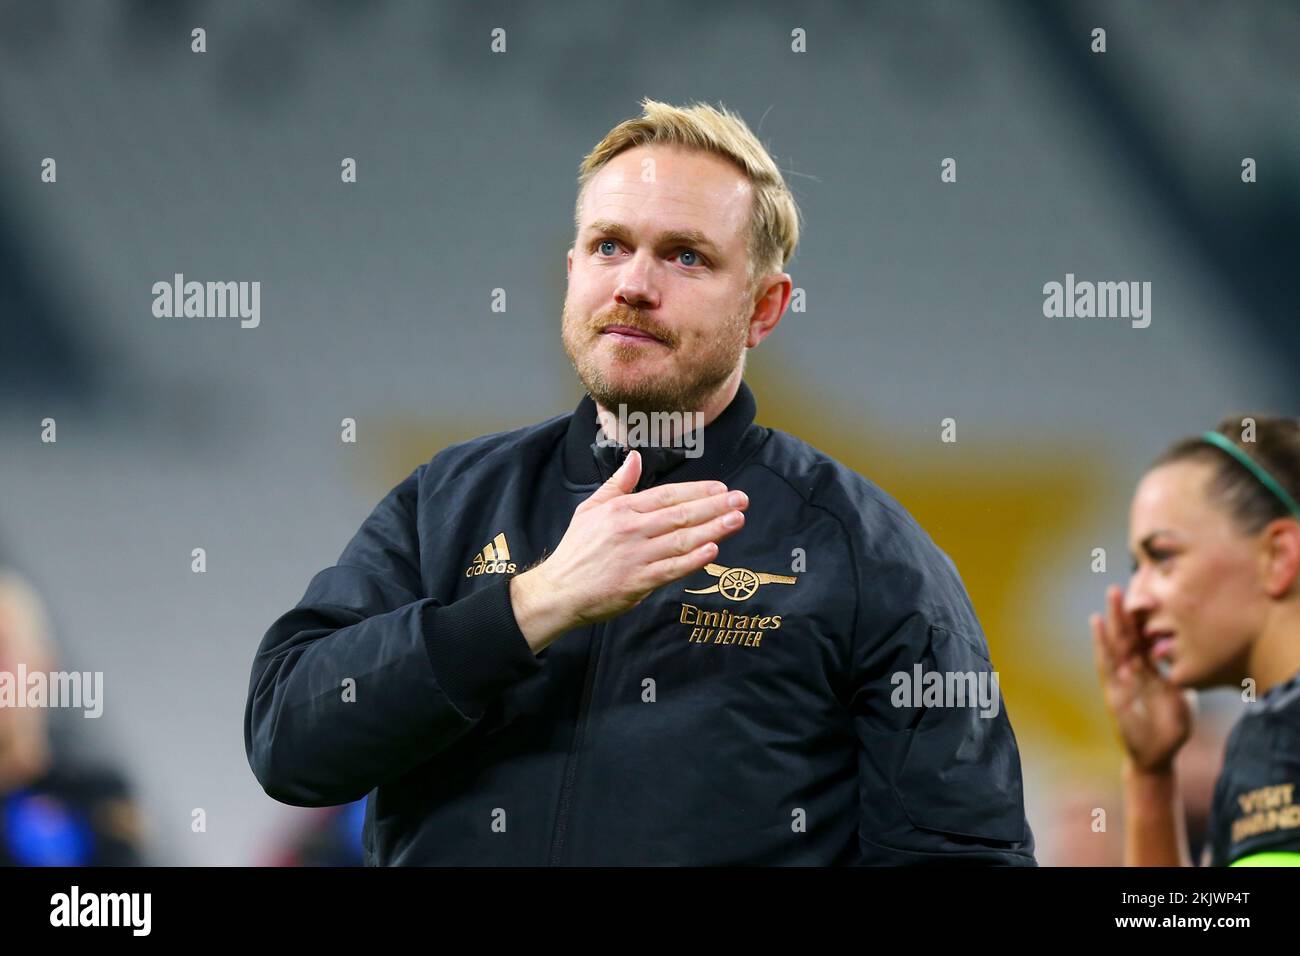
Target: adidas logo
(494, 559)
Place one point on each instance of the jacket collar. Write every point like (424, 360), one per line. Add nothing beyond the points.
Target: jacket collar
(587, 463)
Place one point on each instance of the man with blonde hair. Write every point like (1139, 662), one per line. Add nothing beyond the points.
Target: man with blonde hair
(650, 631)
(57, 808)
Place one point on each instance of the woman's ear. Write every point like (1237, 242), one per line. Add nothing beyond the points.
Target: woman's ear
(1282, 557)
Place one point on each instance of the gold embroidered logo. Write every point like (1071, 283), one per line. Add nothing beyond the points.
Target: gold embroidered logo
(494, 559)
(723, 627)
(739, 584)
(1265, 810)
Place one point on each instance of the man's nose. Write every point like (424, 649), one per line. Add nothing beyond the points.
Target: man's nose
(638, 282)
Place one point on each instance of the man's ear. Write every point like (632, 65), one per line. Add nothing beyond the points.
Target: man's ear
(1282, 549)
(771, 297)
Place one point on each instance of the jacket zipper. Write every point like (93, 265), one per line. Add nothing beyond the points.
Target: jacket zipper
(579, 731)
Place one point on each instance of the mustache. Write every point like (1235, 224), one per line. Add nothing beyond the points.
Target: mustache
(633, 319)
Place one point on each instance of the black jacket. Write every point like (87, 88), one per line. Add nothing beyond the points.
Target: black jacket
(1256, 806)
(739, 716)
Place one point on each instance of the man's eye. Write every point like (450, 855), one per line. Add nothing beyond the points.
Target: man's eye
(699, 260)
(604, 243)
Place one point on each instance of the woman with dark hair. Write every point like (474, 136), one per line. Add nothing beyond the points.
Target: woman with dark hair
(1214, 601)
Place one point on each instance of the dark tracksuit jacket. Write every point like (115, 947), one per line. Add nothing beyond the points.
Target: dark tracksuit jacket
(1256, 806)
(750, 713)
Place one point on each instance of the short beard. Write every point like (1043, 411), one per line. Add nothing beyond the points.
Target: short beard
(687, 391)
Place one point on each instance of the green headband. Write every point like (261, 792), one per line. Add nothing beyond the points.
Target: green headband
(1265, 479)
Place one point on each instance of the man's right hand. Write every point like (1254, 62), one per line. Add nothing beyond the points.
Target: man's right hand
(619, 547)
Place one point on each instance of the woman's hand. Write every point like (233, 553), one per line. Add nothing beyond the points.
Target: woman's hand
(1154, 718)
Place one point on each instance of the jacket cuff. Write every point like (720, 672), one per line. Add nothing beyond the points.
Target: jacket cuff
(476, 647)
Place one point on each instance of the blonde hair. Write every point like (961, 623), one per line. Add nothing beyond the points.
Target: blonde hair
(24, 619)
(773, 231)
